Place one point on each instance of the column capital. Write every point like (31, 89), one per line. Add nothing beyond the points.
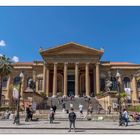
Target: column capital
(76, 63)
(46, 63)
(87, 63)
(55, 63)
(47, 66)
(65, 63)
(97, 63)
(87, 79)
(34, 72)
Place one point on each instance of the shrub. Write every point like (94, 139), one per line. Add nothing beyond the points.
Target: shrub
(134, 108)
(4, 108)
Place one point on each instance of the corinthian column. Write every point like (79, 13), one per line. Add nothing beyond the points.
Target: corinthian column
(22, 87)
(87, 79)
(44, 78)
(65, 79)
(8, 90)
(76, 80)
(134, 89)
(47, 80)
(97, 79)
(55, 80)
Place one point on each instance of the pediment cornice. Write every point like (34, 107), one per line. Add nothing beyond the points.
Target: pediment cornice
(71, 49)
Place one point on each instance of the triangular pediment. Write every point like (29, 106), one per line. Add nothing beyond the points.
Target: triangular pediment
(70, 49)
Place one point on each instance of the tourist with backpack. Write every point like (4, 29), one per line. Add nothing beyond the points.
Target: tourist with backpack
(72, 118)
(51, 115)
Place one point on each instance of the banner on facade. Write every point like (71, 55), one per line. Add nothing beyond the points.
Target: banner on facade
(15, 93)
(128, 93)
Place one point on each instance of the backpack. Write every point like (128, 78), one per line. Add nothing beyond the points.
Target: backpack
(72, 116)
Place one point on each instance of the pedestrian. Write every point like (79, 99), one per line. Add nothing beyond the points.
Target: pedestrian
(99, 107)
(63, 107)
(11, 117)
(6, 114)
(90, 108)
(81, 108)
(59, 101)
(72, 118)
(27, 114)
(62, 101)
(51, 115)
(54, 108)
(109, 109)
(30, 113)
(71, 105)
(15, 118)
(125, 117)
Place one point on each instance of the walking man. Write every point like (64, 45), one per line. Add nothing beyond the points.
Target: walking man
(72, 118)
(81, 109)
(125, 117)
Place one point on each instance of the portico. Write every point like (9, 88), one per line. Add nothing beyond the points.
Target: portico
(72, 61)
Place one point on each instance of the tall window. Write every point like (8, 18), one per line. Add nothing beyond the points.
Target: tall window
(126, 82)
(16, 80)
(114, 84)
(40, 82)
(4, 82)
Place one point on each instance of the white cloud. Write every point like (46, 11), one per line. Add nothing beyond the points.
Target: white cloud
(15, 59)
(1, 54)
(2, 43)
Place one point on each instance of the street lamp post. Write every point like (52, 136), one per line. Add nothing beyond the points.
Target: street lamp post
(119, 97)
(17, 117)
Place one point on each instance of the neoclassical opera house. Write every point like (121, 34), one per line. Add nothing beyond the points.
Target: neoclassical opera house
(72, 69)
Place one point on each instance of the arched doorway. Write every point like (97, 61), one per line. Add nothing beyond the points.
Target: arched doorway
(71, 85)
(126, 82)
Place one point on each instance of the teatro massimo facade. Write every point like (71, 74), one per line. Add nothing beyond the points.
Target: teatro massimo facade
(72, 69)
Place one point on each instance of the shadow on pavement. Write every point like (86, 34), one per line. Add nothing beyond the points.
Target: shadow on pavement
(56, 123)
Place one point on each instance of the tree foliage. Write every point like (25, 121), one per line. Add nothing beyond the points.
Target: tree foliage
(5, 66)
(5, 69)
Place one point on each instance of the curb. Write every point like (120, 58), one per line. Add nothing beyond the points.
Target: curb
(125, 129)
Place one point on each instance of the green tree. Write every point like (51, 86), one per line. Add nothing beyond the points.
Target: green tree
(123, 98)
(5, 69)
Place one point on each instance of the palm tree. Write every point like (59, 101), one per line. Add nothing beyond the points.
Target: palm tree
(5, 69)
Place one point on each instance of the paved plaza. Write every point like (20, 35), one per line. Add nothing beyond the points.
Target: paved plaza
(61, 126)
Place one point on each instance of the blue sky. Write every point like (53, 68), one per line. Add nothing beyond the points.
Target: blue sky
(116, 29)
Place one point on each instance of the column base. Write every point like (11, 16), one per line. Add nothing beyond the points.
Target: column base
(87, 96)
(76, 96)
(64, 96)
(54, 96)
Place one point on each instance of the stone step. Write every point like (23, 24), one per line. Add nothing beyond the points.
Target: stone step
(75, 102)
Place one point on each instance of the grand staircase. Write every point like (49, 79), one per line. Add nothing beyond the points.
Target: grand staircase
(76, 101)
